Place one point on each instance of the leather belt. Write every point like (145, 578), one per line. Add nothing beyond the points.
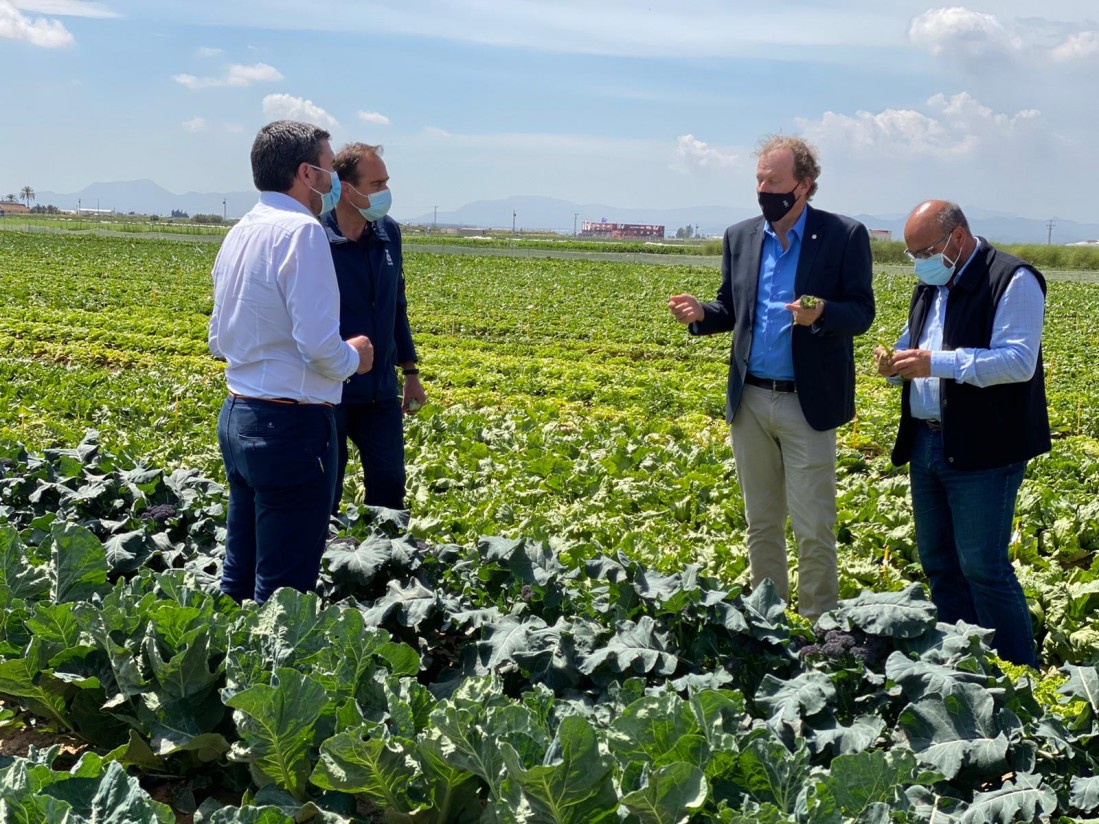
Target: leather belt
(767, 383)
(288, 401)
(934, 426)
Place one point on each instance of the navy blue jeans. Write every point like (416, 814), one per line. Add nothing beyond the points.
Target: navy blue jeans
(377, 430)
(280, 460)
(963, 527)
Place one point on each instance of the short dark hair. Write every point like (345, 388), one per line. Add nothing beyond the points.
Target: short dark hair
(951, 217)
(347, 160)
(806, 164)
(280, 148)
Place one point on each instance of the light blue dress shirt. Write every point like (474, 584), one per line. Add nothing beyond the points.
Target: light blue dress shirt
(772, 354)
(1012, 353)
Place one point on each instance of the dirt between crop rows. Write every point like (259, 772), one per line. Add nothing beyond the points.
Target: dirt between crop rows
(18, 740)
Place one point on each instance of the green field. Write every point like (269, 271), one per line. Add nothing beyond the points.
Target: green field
(572, 418)
(564, 402)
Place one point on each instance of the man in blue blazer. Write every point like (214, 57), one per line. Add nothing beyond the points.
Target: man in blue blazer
(795, 290)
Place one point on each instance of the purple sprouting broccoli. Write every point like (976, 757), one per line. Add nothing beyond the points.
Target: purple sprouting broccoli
(161, 513)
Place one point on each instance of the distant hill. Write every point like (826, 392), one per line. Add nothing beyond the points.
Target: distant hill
(148, 198)
(545, 213)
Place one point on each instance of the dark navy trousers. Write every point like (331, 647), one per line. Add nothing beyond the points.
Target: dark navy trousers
(280, 460)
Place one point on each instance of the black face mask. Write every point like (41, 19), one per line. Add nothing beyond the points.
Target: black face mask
(776, 205)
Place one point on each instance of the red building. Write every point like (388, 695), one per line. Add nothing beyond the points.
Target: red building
(622, 231)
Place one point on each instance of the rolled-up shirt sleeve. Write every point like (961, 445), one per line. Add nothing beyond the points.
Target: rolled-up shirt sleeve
(307, 280)
(1012, 354)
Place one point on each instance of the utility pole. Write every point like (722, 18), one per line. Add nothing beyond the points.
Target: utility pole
(435, 220)
(1049, 233)
(513, 221)
(224, 210)
(575, 215)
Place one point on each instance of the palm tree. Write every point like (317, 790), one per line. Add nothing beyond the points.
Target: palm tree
(12, 199)
(27, 193)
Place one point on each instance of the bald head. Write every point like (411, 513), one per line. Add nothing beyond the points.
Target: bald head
(935, 223)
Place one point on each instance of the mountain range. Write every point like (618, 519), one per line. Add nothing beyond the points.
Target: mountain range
(533, 213)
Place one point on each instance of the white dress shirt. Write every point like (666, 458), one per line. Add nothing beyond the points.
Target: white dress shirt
(276, 318)
(1012, 353)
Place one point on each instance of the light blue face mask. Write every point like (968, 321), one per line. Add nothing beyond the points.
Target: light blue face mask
(379, 204)
(330, 198)
(934, 270)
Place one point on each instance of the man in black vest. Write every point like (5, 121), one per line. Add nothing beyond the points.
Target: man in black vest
(973, 411)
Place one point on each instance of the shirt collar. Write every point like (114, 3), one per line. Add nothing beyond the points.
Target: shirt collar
(373, 227)
(281, 200)
(797, 230)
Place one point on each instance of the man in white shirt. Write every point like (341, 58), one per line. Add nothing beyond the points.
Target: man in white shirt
(276, 324)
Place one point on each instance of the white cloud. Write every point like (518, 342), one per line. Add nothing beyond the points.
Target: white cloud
(288, 107)
(956, 126)
(208, 51)
(436, 132)
(1077, 46)
(694, 154)
(959, 31)
(374, 117)
(48, 34)
(236, 75)
(65, 8)
(247, 75)
(195, 124)
(189, 80)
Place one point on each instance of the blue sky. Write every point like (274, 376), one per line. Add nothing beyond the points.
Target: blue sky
(639, 104)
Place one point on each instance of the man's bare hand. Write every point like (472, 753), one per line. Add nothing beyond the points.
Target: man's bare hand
(806, 315)
(365, 349)
(883, 362)
(414, 396)
(686, 308)
(912, 363)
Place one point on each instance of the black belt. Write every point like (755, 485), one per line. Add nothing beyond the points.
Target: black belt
(767, 383)
(934, 426)
(289, 401)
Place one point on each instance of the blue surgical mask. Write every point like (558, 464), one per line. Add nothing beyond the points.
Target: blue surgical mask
(379, 205)
(330, 198)
(934, 270)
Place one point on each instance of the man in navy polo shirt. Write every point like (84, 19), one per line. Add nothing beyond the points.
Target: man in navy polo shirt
(366, 250)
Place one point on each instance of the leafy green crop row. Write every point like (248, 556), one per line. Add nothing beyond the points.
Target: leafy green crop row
(571, 417)
(497, 682)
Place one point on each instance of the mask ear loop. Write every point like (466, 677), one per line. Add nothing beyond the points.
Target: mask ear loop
(943, 252)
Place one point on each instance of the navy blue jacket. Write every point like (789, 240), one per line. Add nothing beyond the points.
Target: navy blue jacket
(835, 264)
(370, 272)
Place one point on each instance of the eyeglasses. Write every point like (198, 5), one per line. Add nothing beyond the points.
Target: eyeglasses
(925, 253)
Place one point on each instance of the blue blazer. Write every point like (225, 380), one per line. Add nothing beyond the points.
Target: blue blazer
(835, 264)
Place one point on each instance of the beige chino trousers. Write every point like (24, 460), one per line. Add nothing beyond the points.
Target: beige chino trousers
(783, 463)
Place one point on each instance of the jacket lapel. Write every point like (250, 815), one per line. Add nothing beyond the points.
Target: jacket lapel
(810, 245)
(754, 254)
